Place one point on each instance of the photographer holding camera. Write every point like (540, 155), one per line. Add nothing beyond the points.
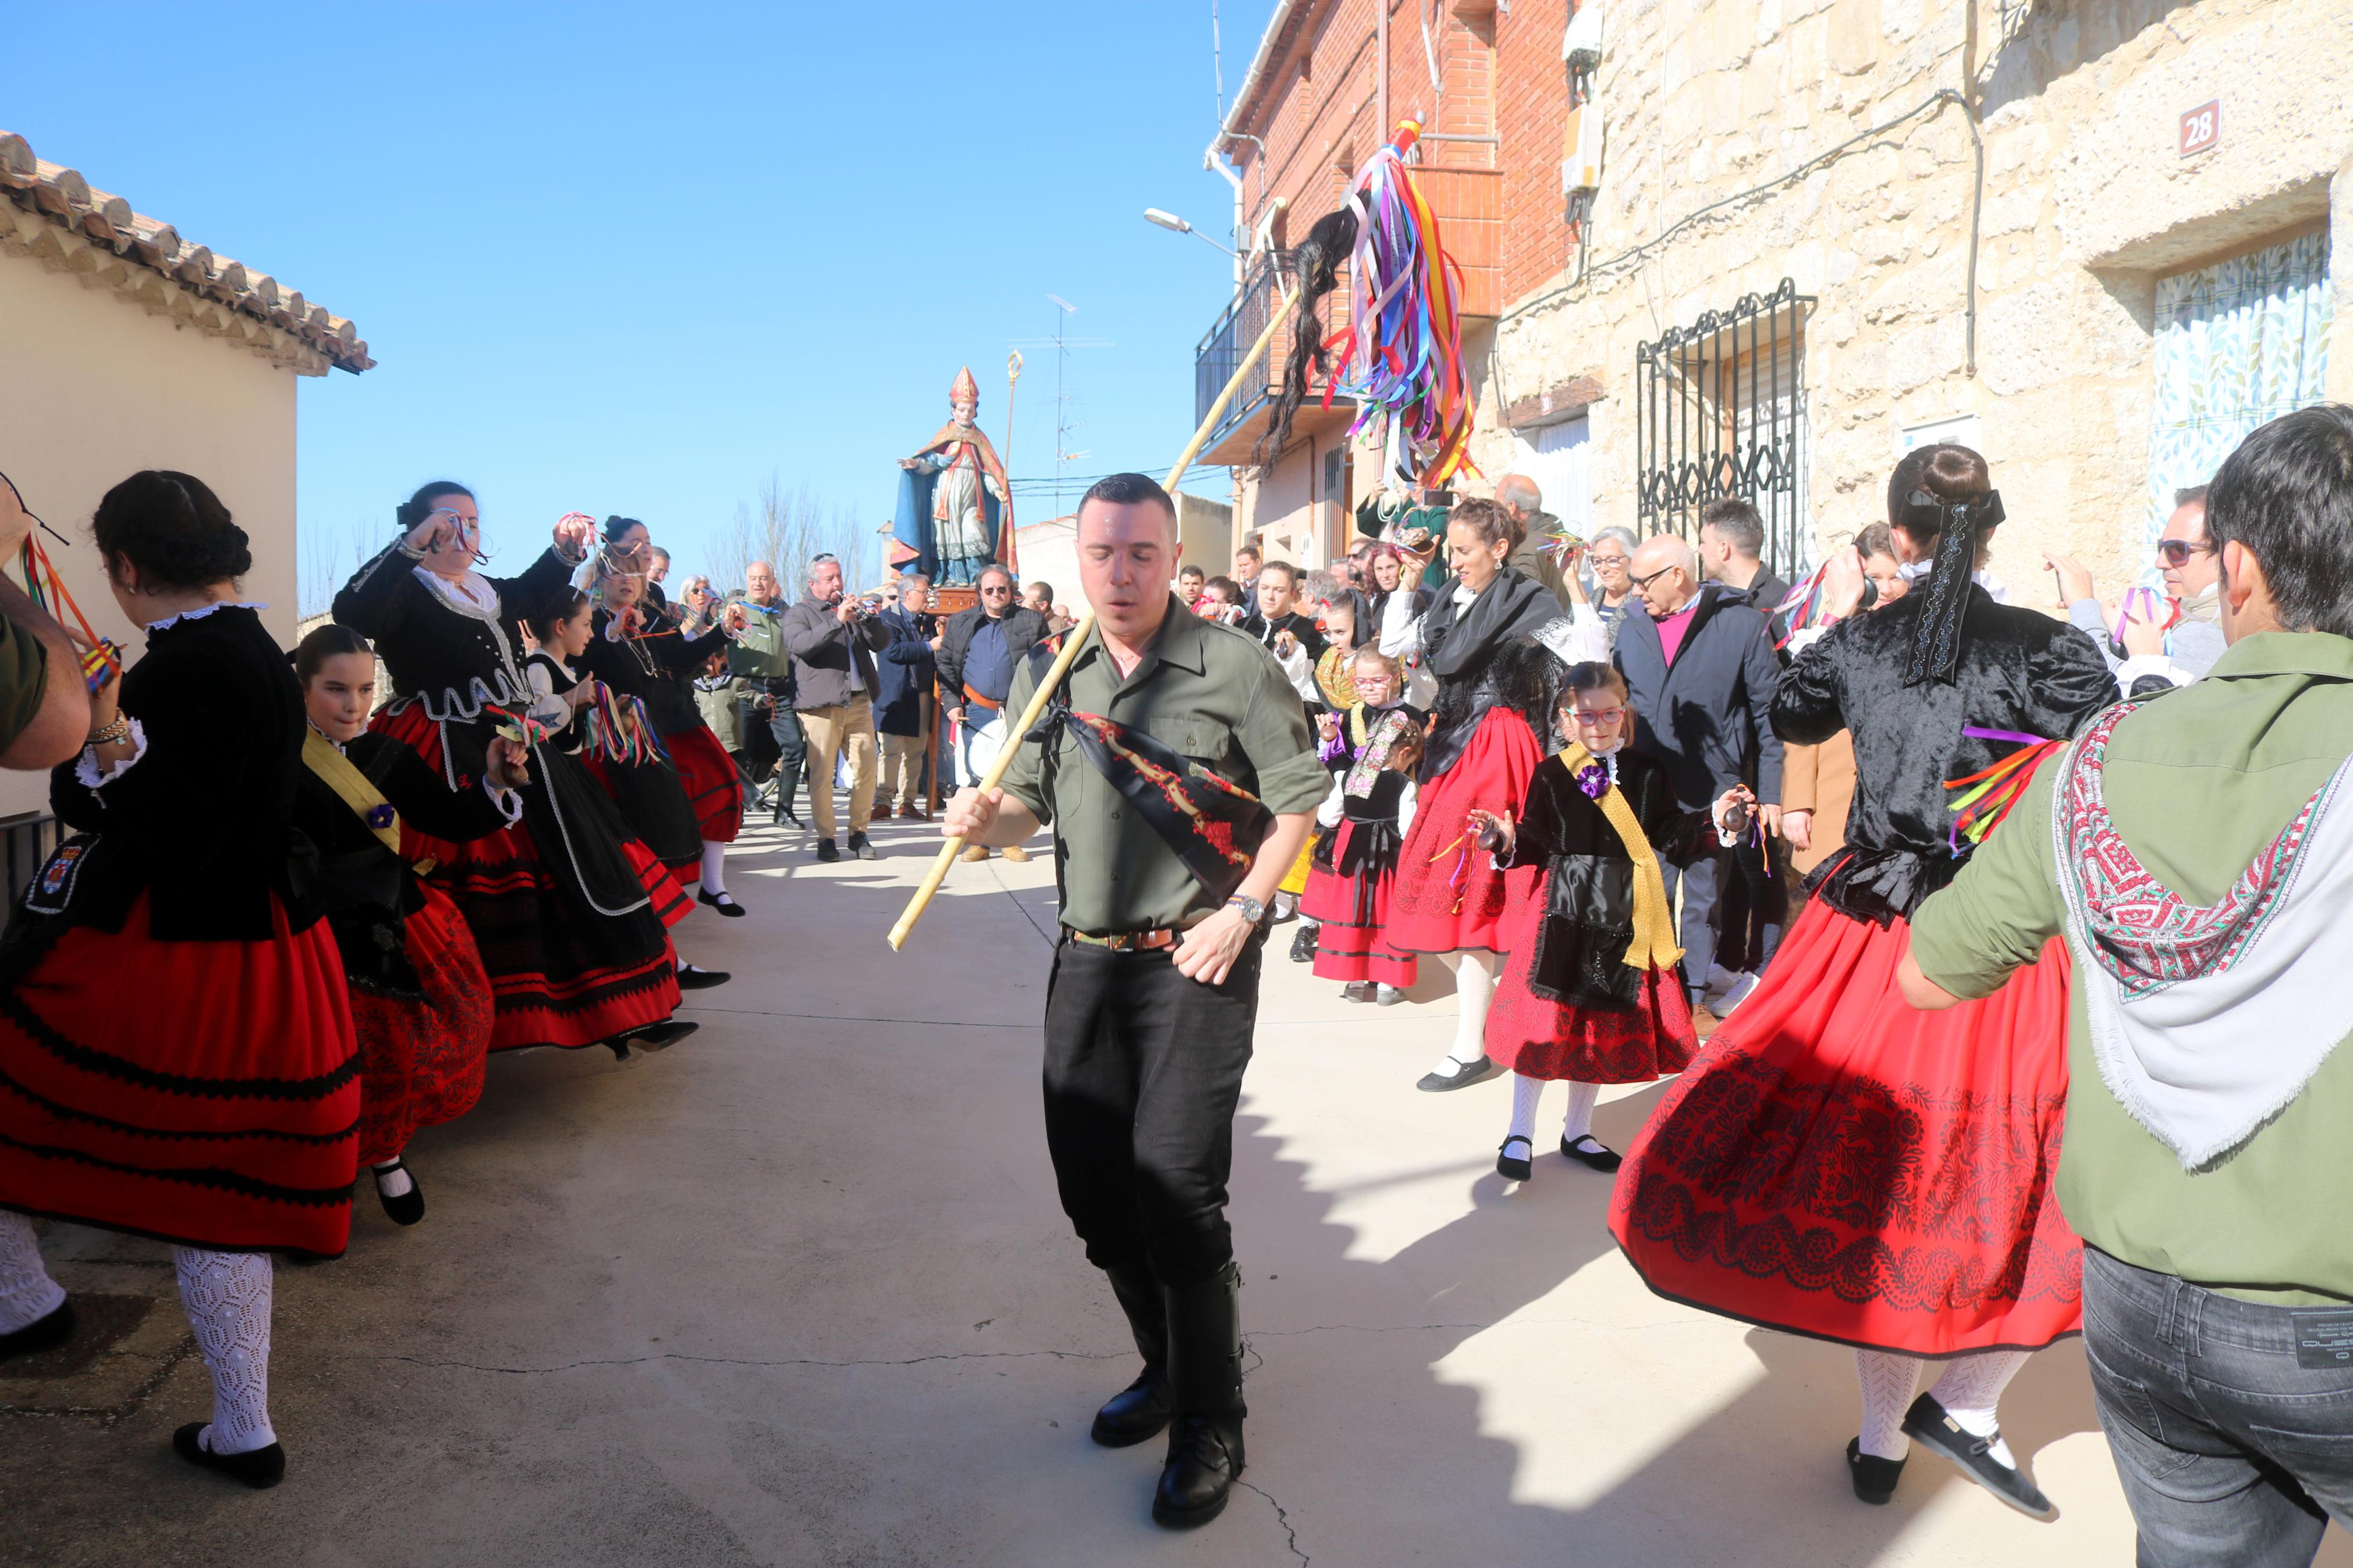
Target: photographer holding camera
(833, 639)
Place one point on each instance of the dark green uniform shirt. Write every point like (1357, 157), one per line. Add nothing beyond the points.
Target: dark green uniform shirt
(1206, 690)
(23, 680)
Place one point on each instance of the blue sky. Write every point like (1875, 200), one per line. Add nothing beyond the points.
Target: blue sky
(636, 259)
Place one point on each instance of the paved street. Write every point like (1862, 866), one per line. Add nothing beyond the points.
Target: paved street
(798, 1291)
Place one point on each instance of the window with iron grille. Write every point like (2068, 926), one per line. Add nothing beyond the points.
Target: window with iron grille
(1720, 410)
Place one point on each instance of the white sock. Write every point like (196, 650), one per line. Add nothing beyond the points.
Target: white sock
(27, 1294)
(1889, 1382)
(228, 1298)
(1525, 1092)
(714, 868)
(1581, 1098)
(1971, 1386)
(1475, 984)
(393, 1180)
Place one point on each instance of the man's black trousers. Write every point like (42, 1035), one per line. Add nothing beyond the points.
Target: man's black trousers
(1144, 1070)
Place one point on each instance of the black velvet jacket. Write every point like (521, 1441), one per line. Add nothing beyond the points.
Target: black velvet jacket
(657, 670)
(365, 891)
(2018, 671)
(200, 822)
(452, 659)
(1588, 921)
(1466, 655)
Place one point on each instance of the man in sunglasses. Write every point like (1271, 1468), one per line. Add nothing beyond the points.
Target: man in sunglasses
(980, 648)
(2149, 654)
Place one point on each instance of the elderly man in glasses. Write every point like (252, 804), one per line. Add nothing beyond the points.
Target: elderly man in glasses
(2146, 654)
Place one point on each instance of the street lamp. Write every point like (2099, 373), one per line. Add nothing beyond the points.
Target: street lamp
(1171, 221)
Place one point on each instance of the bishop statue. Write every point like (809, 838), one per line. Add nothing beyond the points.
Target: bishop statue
(954, 502)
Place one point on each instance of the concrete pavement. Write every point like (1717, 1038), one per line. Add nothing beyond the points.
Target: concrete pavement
(798, 1291)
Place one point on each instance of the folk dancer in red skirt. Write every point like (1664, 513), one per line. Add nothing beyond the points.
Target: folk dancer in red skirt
(656, 663)
(420, 1001)
(177, 1053)
(1833, 1162)
(567, 912)
(1590, 992)
(1486, 736)
(1370, 747)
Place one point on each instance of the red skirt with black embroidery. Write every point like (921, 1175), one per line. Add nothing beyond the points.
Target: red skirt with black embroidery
(1352, 916)
(421, 1057)
(201, 1092)
(1448, 894)
(560, 974)
(714, 788)
(1536, 1037)
(1835, 1164)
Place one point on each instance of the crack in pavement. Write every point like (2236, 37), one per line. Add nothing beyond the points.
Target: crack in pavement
(741, 1361)
(1282, 1517)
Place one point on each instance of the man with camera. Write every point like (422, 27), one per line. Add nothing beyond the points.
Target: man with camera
(833, 638)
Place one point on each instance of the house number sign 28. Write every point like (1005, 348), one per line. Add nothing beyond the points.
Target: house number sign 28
(2201, 127)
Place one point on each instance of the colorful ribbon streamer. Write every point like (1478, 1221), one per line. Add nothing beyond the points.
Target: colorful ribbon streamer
(1400, 355)
(1991, 792)
(101, 658)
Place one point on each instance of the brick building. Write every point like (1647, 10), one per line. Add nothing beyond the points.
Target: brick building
(1790, 267)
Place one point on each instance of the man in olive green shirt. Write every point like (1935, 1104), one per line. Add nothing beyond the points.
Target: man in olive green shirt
(2206, 1161)
(1154, 998)
(43, 701)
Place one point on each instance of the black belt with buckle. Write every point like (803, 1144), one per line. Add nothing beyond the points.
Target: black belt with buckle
(1130, 941)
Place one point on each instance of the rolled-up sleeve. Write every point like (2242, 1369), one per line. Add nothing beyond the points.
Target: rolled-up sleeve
(1998, 914)
(1274, 737)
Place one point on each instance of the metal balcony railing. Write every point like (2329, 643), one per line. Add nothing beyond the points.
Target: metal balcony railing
(26, 840)
(1260, 297)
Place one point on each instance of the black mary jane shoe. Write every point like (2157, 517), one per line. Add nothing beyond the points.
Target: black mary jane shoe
(1356, 991)
(691, 977)
(1513, 1170)
(1929, 1424)
(261, 1469)
(409, 1206)
(724, 902)
(1479, 1071)
(1302, 943)
(1591, 1152)
(1136, 1414)
(42, 1333)
(1875, 1477)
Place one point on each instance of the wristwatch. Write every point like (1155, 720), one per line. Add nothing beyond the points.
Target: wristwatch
(1252, 910)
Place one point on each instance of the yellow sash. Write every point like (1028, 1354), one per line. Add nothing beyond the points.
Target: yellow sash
(1653, 946)
(322, 757)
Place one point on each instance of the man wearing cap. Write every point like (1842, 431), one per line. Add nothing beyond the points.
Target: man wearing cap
(1179, 777)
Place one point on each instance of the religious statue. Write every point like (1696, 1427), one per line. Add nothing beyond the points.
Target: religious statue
(954, 502)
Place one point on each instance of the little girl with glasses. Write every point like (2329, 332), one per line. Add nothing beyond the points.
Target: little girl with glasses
(1591, 993)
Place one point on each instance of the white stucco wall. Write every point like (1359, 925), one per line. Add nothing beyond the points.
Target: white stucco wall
(94, 388)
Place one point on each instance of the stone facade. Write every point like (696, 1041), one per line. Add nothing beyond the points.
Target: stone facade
(2087, 201)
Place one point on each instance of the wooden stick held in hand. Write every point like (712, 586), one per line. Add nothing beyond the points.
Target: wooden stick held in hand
(1075, 639)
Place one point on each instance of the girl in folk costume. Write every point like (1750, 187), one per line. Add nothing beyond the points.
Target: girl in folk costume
(1833, 1162)
(1590, 994)
(1371, 747)
(176, 1055)
(568, 916)
(420, 1001)
(640, 650)
(1483, 743)
(598, 737)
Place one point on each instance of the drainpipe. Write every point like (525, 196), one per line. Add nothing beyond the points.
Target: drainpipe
(1214, 159)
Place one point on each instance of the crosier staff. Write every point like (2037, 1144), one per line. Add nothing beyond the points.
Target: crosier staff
(1075, 639)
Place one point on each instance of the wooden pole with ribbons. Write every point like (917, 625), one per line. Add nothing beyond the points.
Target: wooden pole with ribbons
(1076, 637)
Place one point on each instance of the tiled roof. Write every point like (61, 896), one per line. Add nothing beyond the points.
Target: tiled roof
(52, 212)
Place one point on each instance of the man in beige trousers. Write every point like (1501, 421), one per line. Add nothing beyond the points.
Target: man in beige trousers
(833, 639)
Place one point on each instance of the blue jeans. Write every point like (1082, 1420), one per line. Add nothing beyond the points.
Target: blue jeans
(2234, 1451)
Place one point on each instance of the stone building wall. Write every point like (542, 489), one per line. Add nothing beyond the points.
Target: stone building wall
(2087, 201)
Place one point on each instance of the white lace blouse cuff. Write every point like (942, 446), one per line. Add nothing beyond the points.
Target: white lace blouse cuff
(506, 799)
(86, 772)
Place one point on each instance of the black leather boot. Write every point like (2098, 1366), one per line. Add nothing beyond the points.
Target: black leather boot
(1205, 1374)
(1140, 1410)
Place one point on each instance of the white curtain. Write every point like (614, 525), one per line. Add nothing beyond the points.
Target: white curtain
(1554, 457)
(2238, 343)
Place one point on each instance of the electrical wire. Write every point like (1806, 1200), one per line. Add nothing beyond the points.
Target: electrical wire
(1626, 258)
